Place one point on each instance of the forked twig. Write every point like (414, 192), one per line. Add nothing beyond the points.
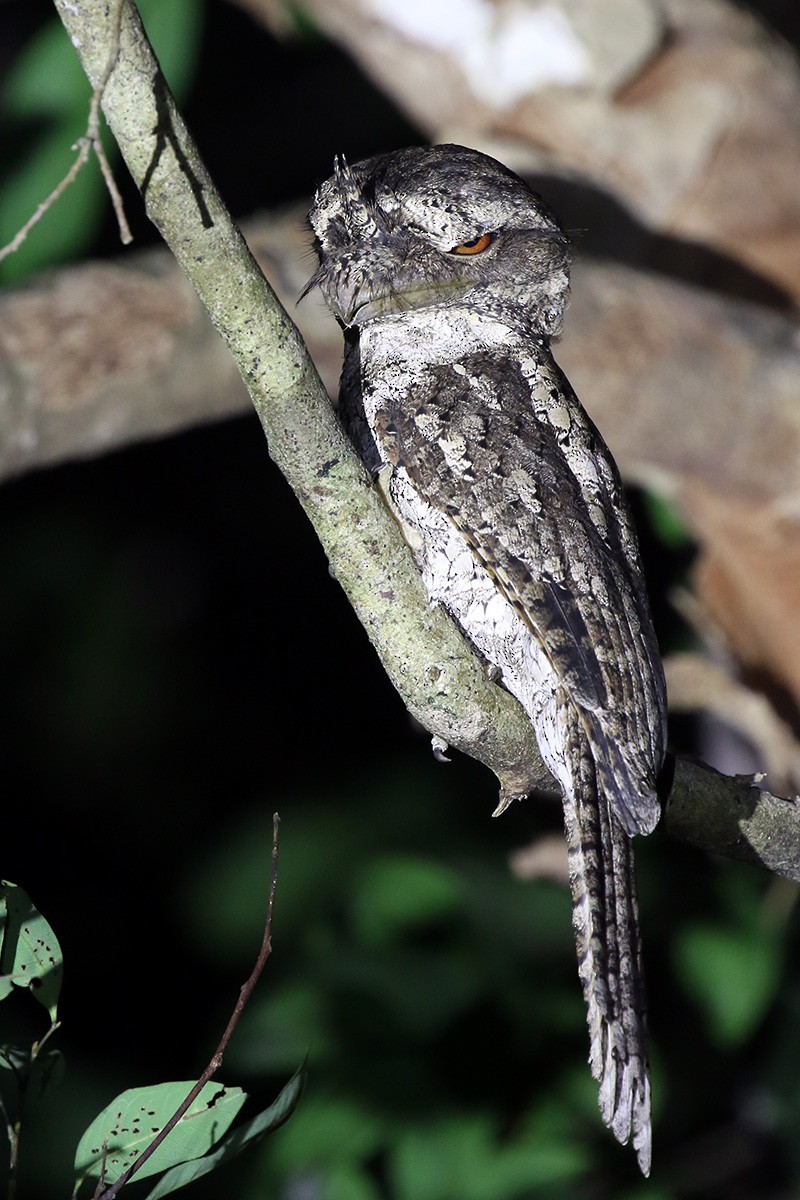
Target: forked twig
(91, 141)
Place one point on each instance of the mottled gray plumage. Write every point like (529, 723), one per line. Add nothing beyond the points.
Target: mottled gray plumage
(450, 276)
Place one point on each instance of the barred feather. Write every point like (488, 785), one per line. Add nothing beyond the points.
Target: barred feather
(608, 944)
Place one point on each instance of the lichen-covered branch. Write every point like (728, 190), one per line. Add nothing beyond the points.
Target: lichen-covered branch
(440, 681)
(734, 816)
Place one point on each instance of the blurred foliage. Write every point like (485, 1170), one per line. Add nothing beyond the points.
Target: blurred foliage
(436, 997)
(45, 99)
(395, 963)
(666, 522)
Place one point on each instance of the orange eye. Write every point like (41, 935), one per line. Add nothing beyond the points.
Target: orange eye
(476, 246)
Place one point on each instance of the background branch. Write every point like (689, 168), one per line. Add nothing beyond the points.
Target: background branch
(733, 816)
(103, 354)
(436, 675)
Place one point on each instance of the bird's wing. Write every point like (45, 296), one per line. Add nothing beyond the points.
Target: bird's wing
(524, 476)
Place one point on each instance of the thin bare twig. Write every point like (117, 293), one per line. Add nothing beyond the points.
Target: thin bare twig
(21, 234)
(102, 1180)
(216, 1060)
(91, 141)
(37, 1047)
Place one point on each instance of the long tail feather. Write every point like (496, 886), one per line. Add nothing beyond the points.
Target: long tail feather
(606, 924)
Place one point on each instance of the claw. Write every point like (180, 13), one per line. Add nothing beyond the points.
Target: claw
(438, 746)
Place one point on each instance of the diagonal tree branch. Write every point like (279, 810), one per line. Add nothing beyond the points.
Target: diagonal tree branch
(440, 681)
(443, 685)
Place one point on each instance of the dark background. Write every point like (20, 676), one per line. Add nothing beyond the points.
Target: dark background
(170, 678)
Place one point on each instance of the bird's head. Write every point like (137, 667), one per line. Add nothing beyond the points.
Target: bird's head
(426, 227)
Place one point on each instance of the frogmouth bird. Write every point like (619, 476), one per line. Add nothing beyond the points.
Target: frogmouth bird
(450, 277)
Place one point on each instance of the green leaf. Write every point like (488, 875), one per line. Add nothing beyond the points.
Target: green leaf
(175, 30)
(646, 1191)
(47, 79)
(128, 1125)
(245, 1135)
(330, 1132)
(36, 1073)
(30, 956)
(46, 1073)
(15, 1058)
(733, 976)
(277, 1031)
(460, 1158)
(69, 227)
(398, 894)
(48, 93)
(666, 522)
(350, 1183)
